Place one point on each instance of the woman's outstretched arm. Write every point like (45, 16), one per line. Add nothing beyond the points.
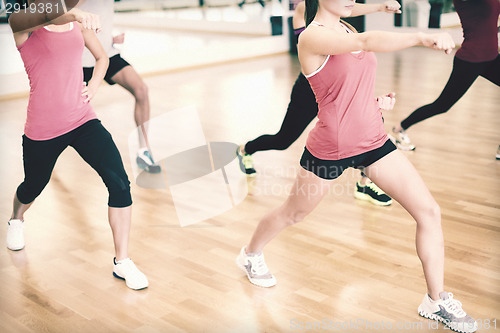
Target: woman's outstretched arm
(390, 6)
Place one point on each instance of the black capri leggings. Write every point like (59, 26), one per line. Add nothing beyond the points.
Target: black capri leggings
(94, 144)
(462, 77)
(302, 109)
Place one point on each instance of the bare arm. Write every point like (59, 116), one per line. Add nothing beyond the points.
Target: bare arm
(101, 64)
(43, 12)
(324, 41)
(22, 23)
(390, 6)
(317, 42)
(299, 20)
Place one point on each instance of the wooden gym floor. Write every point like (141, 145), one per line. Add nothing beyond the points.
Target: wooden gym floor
(350, 266)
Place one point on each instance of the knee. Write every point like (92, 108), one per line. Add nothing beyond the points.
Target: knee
(141, 92)
(119, 193)
(282, 141)
(295, 217)
(434, 211)
(27, 192)
(118, 185)
(431, 215)
(441, 105)
(282, 145)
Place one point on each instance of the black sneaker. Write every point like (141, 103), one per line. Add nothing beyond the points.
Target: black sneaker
(372, 193)
(246, 163)
(145, 162)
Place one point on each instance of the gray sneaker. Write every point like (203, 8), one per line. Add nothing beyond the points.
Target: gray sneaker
(256, 269)
(402, 140)
(448, 311)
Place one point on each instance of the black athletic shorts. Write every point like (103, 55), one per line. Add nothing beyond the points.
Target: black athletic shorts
(331, 169)
(116, 64)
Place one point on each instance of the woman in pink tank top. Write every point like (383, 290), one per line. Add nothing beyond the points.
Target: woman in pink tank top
(340, 67)
(59, 115)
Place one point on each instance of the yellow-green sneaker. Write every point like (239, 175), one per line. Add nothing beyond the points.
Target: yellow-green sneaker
(246, 163)
(372, 193)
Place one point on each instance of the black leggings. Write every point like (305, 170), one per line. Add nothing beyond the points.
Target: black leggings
(94, 144)
(302, 109)
(462, 77)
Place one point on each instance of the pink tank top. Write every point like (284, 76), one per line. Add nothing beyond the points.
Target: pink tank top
(53, 62)
(349, 120)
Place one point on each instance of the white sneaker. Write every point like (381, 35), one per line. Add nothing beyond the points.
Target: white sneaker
(448, 311)
(15, 235)
(402, 139)
(125, 269)
(256, 269)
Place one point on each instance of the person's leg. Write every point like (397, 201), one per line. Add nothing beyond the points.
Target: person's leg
(120, 219)
(96, 146)
(18, 209)
(491, 71)
(121, 72)
(39, 158)
(364, 179)
(492, 74)
(305, 195)
(398, 177)
(462, 77)
(129, 79)
(301, 110)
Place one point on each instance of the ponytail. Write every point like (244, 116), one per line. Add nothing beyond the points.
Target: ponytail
(311, 10)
